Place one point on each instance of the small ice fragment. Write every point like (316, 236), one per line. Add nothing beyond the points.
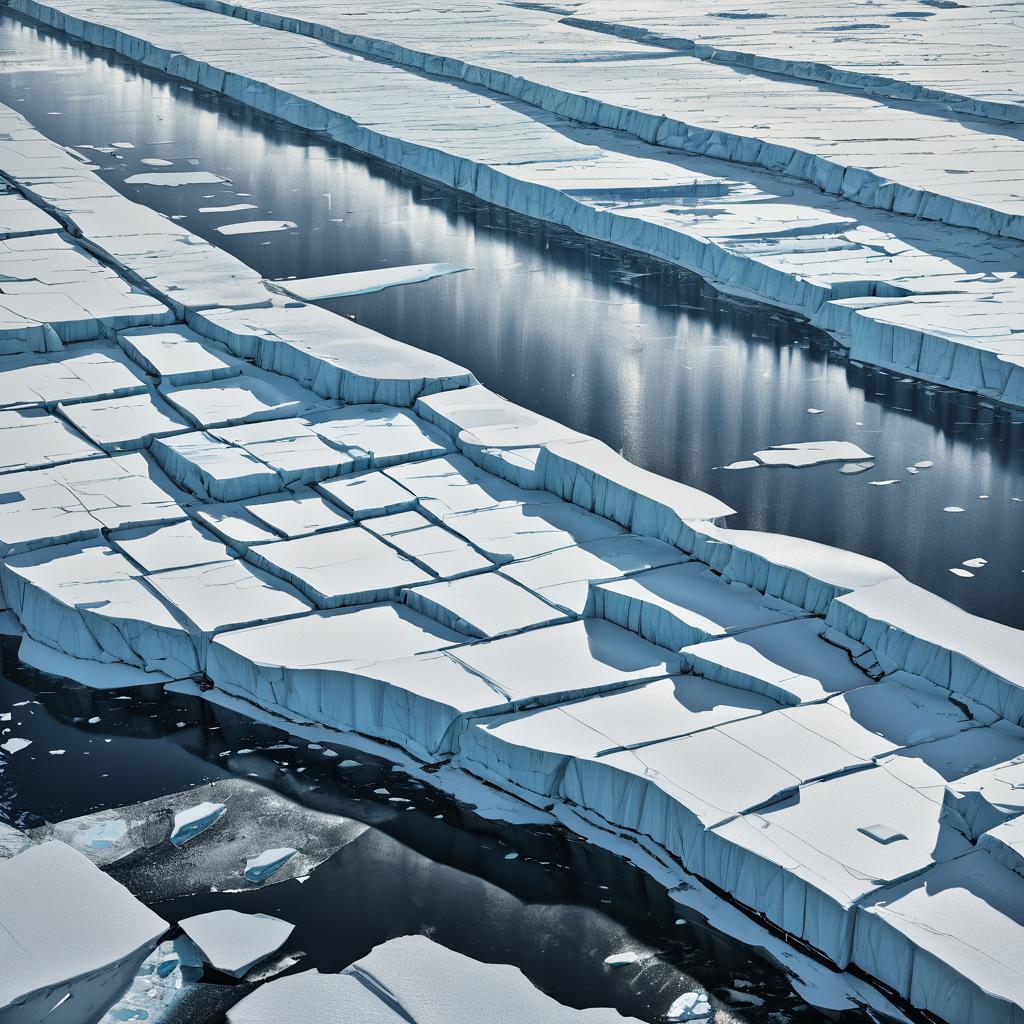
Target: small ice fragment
(382, 792)
(690, 1006)
(173, 179)
(512, 856)
(57, 753)
(364, 282)
(983, 497)
(953, 508)
(104, 834)
(924, 464)
(195, 820)
(14, 744)
(235, 208)
(975, 563)
(882, 483)
(348, 764)
(123, 145)
(330, 753)
(962, 572)
(850, 468)
(743, 464)
(815, 412)
(255, 227)
(156, 161)
(881, 834)
(621, 959)
(94, 719)
(313, 746)
(263, 865)
(5, 717)
(913, 470)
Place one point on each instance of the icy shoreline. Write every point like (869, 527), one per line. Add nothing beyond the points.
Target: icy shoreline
(929, 300)
(304, 516)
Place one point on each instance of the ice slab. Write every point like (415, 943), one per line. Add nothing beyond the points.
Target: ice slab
(344, 567)
(90, 602)
(679, 605)
(530, 751)
(82, 372)
(484, 606)
(387, 434)
(20, 217)
(910, 628)
(125, 424)
(297, 516)
(989, 796)
(811, 453)
(193, 821)
(267, 863)
(1005, 843)
(209, 467)
(212, 598)
(244, 398)
(234, 525)
(363, 282)
(949, 941)
(233, 942)
(70, 929)
(320, 996)
(433, 548)
(175, 179)
(170, 547)
(368, 494)
(788, 661)
(31, 438)
(808, 860)
(564, 577)
(292, 450)
(178, 355)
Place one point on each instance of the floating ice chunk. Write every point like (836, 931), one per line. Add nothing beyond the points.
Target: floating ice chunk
(882, 483)
(193, 821)
(975, 563)
(962, 573)
(173, 179)
(485, 606)
(622, 959)
(853, 468)
(155, 161)
(815, 412)
(344, 567)
(313, 289)
(953, 508)
(259, 868)
(69, 934)
(14, 744)
(232, 208)
(743, 464)
(369, 494)
(811, 453)
(690, 1006)
(123, 424)
(105, 834)
(256, 227)
(233, 942)
(178, 355)
(924, 464)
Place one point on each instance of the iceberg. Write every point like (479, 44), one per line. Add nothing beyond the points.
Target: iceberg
(72, 938)
(233, 942)
(363, 282)
(193, 821)
(395, 983)
(259, 868)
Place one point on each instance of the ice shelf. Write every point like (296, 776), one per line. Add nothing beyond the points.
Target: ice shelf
(342, 530)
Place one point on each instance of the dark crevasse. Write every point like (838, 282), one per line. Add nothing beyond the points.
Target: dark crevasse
(650, 359)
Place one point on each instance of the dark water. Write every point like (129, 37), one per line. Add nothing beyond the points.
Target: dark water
(650, 359)
(438, 869)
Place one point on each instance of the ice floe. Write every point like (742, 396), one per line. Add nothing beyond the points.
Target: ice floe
(233, 942)
(334, 286)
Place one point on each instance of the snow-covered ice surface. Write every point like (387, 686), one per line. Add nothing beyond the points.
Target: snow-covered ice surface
(73, 939)
(363, 282)
(354, 535)
(865, 209)
(233, 942)
(397, 981)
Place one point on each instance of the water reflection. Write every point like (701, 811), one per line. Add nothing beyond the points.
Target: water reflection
(652, 360)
